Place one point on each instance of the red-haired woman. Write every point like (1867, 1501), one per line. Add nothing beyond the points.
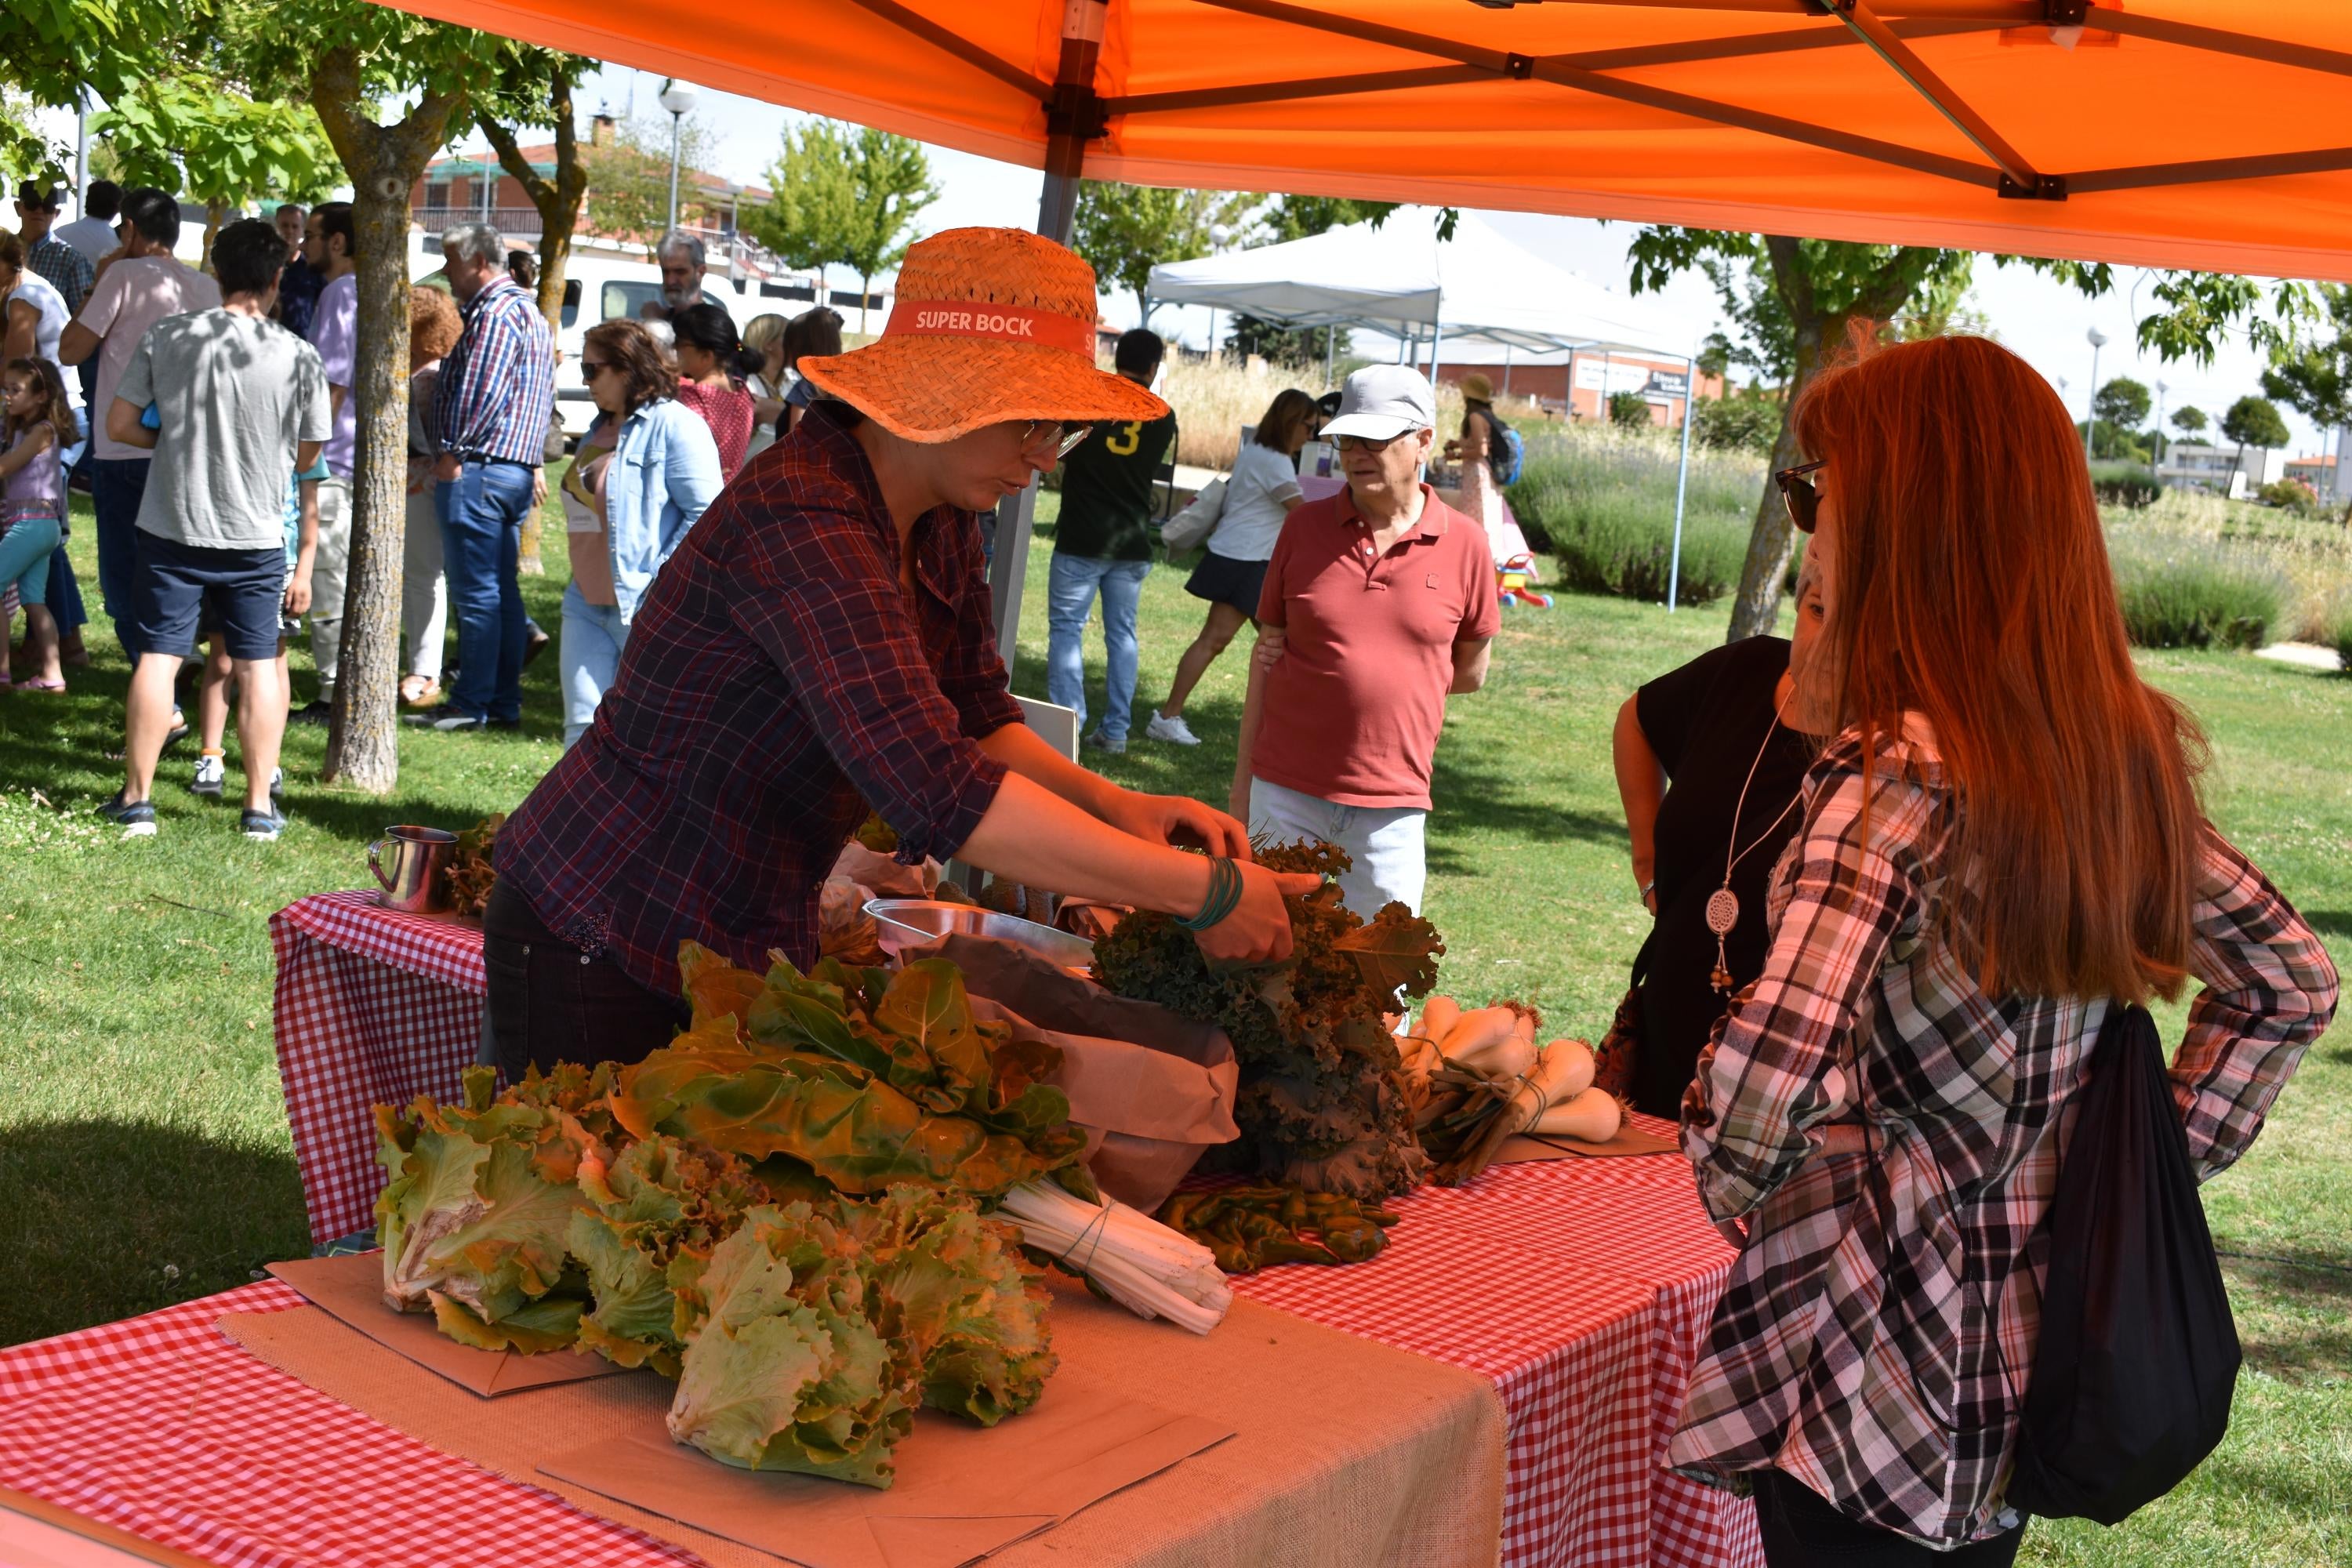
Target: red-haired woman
(2003, 844)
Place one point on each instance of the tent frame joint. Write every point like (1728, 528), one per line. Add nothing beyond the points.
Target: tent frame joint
(1519, 67)
(1077, 111)
(2044, 188)
(2065, 12)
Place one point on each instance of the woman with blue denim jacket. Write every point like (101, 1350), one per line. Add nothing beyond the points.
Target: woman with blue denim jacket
(645, 470)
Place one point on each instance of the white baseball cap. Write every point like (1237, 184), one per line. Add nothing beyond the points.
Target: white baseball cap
(1382, 402)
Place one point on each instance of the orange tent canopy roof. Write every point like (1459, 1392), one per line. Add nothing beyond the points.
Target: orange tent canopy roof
(2198, 133)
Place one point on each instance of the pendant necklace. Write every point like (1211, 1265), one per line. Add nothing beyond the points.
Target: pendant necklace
(1723, 905)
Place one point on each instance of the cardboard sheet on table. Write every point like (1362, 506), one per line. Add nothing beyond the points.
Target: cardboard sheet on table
(1629, 1141)
(963, 1491)
(351, 1289)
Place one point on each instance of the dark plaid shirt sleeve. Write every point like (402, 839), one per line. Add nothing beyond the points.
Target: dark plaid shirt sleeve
(1774, 1076)
(825, 606)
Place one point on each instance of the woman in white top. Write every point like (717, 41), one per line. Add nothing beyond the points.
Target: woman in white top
(1259, 495)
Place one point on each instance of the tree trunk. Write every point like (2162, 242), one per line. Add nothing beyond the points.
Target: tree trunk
(385, 161)
(865, 297)
(1756, 608)
(215, 213)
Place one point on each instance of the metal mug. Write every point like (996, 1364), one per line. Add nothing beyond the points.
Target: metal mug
(416, 882)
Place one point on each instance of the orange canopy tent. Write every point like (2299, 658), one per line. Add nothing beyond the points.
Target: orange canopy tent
(2202, 133)
(2198, 133)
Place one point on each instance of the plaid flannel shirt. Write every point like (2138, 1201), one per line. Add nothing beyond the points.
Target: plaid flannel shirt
(777, 680)
(496, 393)
(1877, 1348)
(69, 272)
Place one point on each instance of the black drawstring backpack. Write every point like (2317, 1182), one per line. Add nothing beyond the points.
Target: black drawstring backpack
(2138, 1354)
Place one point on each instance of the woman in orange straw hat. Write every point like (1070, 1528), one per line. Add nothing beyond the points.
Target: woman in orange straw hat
(821, 643)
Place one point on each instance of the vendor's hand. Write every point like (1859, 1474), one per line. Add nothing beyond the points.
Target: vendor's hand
(447, 468)
(1179, 820)
(1258, 931)
(298, 594)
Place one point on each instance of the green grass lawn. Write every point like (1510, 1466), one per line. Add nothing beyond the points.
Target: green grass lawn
(143, 1151)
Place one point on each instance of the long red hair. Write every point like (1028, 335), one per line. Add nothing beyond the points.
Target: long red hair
(1971, 586)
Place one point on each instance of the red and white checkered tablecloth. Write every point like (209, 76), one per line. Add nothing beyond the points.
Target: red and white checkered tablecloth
(1581, 1288)
(374, 1007)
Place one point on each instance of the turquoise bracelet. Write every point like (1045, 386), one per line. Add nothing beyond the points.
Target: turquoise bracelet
(1224, 896)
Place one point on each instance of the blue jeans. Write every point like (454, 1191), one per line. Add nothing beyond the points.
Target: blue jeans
(117, 485)
(481, 535)
(589, 657)
(1069, 596)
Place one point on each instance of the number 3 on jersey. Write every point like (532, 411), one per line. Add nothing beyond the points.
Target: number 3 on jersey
(1124, 444)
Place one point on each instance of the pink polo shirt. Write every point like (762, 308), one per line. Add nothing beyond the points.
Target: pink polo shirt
(1353, 708)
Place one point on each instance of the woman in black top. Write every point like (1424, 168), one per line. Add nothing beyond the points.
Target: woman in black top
(1709, 760)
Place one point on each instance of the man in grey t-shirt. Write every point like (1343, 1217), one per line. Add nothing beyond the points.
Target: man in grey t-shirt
(241, 405)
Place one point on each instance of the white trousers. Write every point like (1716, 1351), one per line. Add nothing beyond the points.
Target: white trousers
(423, 592)
(327, 569)
(1384, 842)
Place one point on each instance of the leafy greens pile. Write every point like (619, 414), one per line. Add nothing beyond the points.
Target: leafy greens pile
(779, 1210)
(1322, 1102)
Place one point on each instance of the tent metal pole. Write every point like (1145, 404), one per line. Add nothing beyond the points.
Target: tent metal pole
(1506, 370)
(1331, 351)
(1681, 481)
(1073, 118)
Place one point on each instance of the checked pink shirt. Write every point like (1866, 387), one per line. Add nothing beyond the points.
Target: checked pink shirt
(1875, 1342)
(777, 681)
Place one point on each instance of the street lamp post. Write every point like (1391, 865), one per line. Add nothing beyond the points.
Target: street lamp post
(678, 97)
(2098, 339)
(2161, 441)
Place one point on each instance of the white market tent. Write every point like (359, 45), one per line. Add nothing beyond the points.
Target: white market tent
(1400, 279)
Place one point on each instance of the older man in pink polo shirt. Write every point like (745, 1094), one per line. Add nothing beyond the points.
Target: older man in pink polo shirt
(1379, 604)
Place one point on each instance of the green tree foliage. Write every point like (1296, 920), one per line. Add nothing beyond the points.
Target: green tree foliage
(628, 179)
(1124, 231)
(52, 49)
(2189, 420)
(1301, 347)
(198, 132)
(847, 195)
(1630, 411)
(1821, 289)
(2123, 402)
(2253, 421)
(1299, 217)
(2313, 374)
(25, 153)
(1745, 419)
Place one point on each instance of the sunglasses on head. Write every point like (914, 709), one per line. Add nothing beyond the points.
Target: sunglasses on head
(1062, 436)
(1797, 490)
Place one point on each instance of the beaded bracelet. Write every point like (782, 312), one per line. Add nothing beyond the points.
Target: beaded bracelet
(1224, 896)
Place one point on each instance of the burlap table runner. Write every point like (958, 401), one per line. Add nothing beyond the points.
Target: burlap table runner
(1346, 1452)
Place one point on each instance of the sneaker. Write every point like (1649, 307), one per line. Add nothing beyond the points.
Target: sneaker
(1175, 732)
(264, 825)
(277, 784)
(314, 712)
(1098, 741)
(534, 643)
(457, 722)
(211, 771)
(136, 818)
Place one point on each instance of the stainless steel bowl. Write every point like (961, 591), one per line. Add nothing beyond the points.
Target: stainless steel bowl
(905, 921)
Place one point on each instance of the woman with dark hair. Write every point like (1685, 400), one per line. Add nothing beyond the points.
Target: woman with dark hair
(645, 470)
(1259, 494)
(711, 364)
(814, 333)
(2002, 847)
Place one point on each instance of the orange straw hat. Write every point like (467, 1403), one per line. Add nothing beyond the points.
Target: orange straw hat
(990, 325)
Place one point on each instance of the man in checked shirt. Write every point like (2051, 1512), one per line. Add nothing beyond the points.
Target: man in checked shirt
(495, 399)
(820, 646)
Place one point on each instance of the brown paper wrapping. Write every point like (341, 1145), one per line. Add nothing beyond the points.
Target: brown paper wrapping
(1345, 1452)
(1159, 1088)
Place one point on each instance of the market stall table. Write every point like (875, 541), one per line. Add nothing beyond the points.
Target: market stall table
(1581, 1288)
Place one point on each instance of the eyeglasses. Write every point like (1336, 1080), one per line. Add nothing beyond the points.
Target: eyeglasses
(1804, 501)
(590, 369)
(1062, 436)
(1366, 443)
